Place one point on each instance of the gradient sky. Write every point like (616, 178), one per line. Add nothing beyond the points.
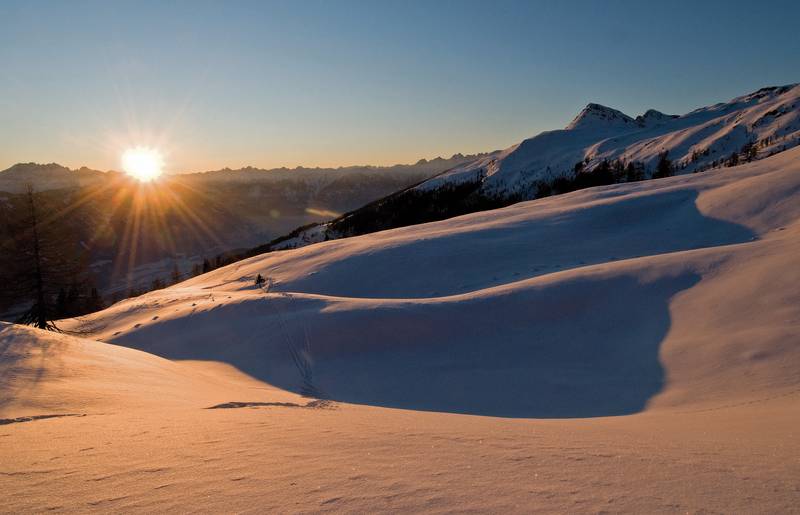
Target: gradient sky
(328, 83)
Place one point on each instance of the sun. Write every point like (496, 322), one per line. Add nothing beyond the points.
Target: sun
(142, 163)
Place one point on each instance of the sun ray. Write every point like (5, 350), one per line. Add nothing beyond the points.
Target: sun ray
(192, 219)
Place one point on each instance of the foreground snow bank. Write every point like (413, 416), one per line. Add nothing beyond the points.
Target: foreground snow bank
(45, 373)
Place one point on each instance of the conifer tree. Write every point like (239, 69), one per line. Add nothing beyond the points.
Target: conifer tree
(664, 167)
(44, 264)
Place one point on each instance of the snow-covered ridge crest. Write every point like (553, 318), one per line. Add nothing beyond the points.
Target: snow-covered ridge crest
(768, 119)
(599, 117)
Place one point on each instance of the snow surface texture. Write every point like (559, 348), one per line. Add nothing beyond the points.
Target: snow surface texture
(654, 324)
(693, 141)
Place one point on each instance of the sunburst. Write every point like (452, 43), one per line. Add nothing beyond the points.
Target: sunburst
(143, 163)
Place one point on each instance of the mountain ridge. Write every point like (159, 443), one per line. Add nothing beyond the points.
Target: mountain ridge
(49, 176)
(693, 140)
(753, 126)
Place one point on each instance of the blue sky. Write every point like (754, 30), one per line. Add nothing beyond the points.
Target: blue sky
(318, 83)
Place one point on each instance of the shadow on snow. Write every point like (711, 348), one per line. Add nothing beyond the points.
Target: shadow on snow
(584, 346)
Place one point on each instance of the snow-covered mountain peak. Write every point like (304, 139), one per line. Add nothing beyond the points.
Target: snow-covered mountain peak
(596, 115)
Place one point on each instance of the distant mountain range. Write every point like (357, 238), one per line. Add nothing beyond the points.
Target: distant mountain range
(53, 176)
(45, 177)
(129, 241)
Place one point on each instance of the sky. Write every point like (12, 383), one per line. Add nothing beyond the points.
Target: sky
(332, 83)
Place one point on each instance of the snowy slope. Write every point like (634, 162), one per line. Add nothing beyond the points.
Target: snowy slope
(675, 302)
(576, 290)
(47, 373)
(769, 117)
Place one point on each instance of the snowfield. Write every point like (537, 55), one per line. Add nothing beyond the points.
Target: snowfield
(627, 348)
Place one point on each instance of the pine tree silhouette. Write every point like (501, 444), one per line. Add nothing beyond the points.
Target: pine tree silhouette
(44, 265)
